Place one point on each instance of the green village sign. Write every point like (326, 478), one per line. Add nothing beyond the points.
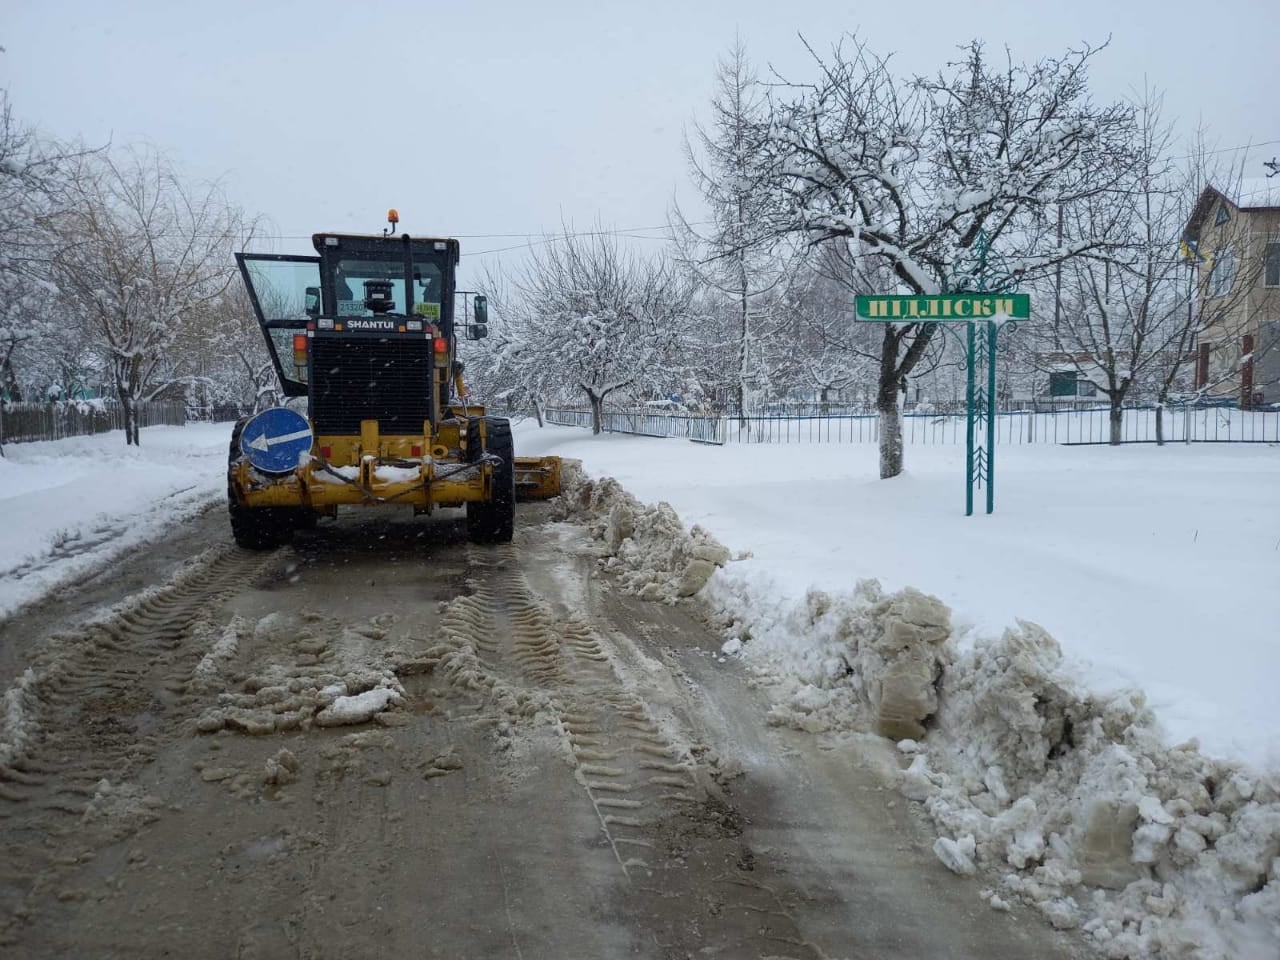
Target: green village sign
(944, 307)
(980, 296)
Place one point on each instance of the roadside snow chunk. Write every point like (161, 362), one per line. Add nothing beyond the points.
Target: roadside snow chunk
(357, 709)
(956, 855)
(1153, 811)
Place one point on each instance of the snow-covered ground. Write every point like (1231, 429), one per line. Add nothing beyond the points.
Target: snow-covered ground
(1060, 762)
(1054, 761)
(1157, 568)
(67, 506)
(1152, 567)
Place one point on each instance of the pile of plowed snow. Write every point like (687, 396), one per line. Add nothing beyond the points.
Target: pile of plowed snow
(647, 547)
(1066, 798)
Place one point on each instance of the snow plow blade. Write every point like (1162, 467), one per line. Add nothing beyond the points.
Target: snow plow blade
(537, 478)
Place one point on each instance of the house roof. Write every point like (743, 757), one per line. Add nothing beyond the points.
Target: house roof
(1250, 193)
(1257, 193)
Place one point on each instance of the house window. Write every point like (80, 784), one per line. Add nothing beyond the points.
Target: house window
(1223, 215)
(1272, 269)
(1222, 361)
(1223, 272)
(1069, 383)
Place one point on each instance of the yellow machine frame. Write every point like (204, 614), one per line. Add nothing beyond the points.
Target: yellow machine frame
(371, 469)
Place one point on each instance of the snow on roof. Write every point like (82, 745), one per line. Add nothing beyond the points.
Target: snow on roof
(1257, 192)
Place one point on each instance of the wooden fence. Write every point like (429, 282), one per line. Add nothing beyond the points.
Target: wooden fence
(25, 422)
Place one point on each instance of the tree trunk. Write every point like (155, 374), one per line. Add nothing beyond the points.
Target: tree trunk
(128, 388)
(130, 408)
(9, 387)
(888, 409)
(824, 401)
(890, 428)
(744, 338)
(537, 412)
(1117, 419)
(1160, 422)
(597, 405)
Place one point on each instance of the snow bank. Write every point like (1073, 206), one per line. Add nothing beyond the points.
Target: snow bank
(648, 547)
(1069, 799)
(1076, 801)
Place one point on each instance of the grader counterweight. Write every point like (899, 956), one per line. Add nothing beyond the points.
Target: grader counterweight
(365, 331)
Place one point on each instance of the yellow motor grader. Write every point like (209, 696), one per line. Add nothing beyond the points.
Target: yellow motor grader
(365, 330)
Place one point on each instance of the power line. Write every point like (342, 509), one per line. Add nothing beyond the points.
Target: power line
(533, 239)
(1242, 146)
(556, 238)
(539, 235)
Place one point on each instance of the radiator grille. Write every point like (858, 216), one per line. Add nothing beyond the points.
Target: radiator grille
(368, 378)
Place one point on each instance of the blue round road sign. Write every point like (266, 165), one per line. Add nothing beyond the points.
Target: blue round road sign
(275, 438)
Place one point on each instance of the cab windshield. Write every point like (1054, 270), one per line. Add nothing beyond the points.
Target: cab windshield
(353, 274)
(351, 278)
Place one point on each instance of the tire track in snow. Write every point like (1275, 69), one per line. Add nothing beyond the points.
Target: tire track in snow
(508, 643)
(89, 713)
(94, 702)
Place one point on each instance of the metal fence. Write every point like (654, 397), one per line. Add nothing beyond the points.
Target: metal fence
(1080, 425)
(24, 422)
(702, 429)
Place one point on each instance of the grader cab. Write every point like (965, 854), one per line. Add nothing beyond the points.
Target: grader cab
(366, 331)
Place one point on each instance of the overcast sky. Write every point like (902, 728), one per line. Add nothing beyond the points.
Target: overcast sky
(509, 117)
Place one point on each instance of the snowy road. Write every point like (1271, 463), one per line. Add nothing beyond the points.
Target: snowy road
(382, 743)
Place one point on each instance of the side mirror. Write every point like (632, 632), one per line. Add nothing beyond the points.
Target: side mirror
(312, 301)
(481, 312)
(477, 331)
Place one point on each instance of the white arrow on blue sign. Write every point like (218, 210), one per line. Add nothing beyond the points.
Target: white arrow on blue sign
(274, 439)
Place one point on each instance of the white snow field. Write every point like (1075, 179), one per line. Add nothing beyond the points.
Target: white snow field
(69, 506)
(1113, 757)
(1056, 754)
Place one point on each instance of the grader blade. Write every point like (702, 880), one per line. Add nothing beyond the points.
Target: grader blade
(537, 478)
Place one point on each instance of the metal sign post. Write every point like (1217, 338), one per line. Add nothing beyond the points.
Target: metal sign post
(980, 409)
(983, 296)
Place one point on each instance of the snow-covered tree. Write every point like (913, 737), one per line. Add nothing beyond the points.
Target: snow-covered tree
(225, 363)
(1130, 314)
(589, 317)
(139, 252)
(493, 370)
(829, 351)
(31, 177)
(732, 254)
(913, 171)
